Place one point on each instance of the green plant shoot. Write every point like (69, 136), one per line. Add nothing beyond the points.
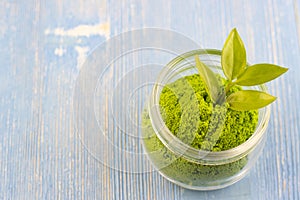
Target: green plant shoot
(237, 72)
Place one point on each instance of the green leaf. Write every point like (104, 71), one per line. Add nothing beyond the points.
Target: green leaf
(212, 84)
(249, 100)
(260, 73)
(233, 56)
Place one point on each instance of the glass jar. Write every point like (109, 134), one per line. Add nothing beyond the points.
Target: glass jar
(181, 163)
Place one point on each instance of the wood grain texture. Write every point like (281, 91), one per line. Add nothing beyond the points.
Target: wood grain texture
(44, 43)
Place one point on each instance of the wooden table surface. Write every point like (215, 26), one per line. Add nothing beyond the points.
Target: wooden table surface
(45, 151)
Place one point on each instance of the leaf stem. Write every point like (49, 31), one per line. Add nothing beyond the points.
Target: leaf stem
(221, 99)
(229, 86)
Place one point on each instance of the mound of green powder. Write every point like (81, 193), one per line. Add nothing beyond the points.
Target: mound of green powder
(191, 116)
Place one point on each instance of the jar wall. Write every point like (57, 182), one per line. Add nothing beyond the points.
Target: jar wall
(173, 163)
(190, 174)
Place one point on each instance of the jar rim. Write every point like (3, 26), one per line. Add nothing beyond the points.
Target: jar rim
(179, 147)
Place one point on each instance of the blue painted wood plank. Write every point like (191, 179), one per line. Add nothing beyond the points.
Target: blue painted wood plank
(42, 46)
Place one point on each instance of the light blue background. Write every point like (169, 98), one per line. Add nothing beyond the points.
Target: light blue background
(41, 52)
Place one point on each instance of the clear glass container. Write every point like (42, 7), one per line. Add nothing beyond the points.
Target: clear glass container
(179, 162)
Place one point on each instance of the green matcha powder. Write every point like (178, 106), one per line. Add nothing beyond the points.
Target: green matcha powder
(190, 115)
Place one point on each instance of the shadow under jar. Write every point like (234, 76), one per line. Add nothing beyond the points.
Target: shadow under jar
(174, 156)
